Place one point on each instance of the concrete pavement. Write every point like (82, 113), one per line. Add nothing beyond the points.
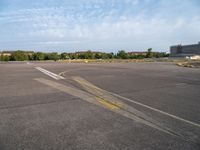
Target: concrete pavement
(99, 106)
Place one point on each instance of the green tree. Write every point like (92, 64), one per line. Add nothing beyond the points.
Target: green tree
(53, 56)
(110, 55)
(82, 56)
(64, 56)
(4, 58)
(19, 56)
(73, 56)
(39, 56)
(89, 55)
(98, 56)
(149, 53)
(122, 54)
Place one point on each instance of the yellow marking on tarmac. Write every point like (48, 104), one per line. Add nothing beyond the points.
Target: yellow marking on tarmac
(132, 113)
(112, 106)
(105, 99)
(97, 89)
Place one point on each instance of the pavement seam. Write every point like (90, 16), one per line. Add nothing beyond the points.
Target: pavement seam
(125, 110)
(81, 80)
(100, 92)
(35, 104)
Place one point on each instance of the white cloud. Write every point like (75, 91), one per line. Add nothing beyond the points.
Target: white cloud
(101, 24)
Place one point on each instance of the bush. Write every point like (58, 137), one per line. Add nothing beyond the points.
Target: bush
(38, 56)
(122, 54)
(53, 56)
(4, 58)
(19, 56)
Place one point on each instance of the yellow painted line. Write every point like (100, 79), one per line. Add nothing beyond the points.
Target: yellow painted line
(112, 106)
(118, 107)
(90, 85)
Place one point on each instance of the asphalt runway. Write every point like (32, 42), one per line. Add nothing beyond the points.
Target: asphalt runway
(109, 106)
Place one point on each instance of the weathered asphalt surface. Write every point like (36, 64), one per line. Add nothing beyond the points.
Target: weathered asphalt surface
(35, 116)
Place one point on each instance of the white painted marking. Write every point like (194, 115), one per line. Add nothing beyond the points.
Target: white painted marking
(181, 84)
(47, 73)
(58, 76)
(157, 110)
(51, 74)
(29, 63)
(81, 80)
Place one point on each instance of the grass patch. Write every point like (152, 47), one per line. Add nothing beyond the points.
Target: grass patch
(189, 64)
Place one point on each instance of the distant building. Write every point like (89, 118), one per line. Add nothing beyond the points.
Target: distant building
(135, 53)
(141, 53)
(185, 50)
(9, 53)
(6, 53)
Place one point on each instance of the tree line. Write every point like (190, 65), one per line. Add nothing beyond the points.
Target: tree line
(24, 56)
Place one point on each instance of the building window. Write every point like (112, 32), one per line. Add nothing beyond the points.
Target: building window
(179, 49)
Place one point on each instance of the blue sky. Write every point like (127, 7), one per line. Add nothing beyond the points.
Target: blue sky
(107, 25)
